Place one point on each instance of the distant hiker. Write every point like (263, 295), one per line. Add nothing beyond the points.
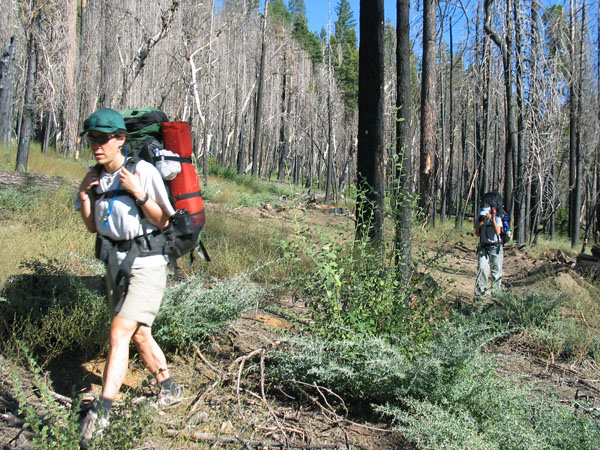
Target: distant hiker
(112, 200)
(490, 251)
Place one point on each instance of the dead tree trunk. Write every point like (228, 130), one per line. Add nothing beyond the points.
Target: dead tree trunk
(428, 113)
(7, 89)
(27, 121)
(403, 190)
(70, 112)
(370, 164)
(259, 97)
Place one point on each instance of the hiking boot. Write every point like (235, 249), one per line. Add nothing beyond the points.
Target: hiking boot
(169, 397)
(91, 427)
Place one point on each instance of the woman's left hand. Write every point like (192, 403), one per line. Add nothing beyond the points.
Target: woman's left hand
(130, 182)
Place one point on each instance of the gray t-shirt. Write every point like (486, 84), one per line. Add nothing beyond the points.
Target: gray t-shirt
(487, 233)
(124, 220)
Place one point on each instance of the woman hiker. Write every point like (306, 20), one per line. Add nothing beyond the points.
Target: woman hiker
(111, 200)
(490, 252)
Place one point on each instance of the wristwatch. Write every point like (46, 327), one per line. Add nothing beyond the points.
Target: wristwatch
(142, 202)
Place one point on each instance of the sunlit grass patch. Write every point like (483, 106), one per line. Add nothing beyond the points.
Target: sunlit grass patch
(38, 223)
(236, 242)
(51, 163)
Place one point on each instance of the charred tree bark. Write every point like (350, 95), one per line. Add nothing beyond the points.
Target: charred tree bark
(7, 90)
(27, 121)
(451, 171)
(370, 158)
(283, 142)
(428, 112)
(403, 191)
(259, 97)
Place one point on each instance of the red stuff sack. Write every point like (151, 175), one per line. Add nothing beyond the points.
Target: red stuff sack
(188, 221)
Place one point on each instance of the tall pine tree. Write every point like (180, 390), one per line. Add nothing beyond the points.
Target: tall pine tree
(309, 40)
(344, 44)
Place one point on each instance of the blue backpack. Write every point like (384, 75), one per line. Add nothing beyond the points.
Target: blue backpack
(506, 233)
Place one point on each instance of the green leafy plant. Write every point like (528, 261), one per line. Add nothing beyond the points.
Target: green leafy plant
(54, 425)
(352, 289)
(128, 427)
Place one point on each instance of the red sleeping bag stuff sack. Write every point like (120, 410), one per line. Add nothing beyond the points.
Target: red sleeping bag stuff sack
(185, 187)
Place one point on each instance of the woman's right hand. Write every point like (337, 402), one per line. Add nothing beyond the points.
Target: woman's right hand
(90, 180)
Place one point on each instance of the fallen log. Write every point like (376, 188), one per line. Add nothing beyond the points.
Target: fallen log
(25, 180)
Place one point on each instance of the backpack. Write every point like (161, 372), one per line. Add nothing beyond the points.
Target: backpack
(149, 135)
(149, 132)
(506, 233)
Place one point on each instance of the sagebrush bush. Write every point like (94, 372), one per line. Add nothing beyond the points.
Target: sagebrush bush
(191, 312)
(365, 370)
(521, 419)
(447, 395)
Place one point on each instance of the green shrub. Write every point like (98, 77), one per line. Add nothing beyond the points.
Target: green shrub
(523, 311)
(190, 312)
(52, 312)
(351, 289)
(525, 420)
(128, 428)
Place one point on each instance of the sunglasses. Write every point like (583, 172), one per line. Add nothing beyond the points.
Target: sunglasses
(101, 139)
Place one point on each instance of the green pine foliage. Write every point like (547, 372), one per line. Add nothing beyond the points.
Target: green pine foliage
(279, 14)
(345, 49)
(309, 40)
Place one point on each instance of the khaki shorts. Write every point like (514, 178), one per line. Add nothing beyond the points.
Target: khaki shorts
(146, 289)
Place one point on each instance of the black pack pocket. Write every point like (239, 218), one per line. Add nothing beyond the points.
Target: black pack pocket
(182, 233)
(102, 249)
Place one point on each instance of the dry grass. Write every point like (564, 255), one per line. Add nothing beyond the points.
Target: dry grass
(50, 228)
(51, 163)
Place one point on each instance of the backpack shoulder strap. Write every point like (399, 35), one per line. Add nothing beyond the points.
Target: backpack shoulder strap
(131, 162)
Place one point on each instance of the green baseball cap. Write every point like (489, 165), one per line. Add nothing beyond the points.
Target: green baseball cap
(105, 120)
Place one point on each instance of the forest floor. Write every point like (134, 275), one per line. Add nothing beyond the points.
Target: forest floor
(229, 403)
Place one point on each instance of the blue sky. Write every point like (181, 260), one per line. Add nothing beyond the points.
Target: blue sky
(317, 13)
